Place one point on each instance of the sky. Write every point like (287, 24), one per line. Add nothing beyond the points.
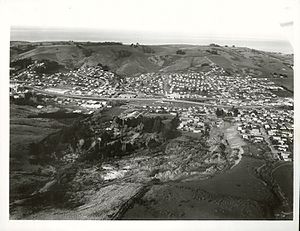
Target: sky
(231, 19)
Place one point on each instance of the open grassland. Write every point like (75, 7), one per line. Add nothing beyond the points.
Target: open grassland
(131, 60)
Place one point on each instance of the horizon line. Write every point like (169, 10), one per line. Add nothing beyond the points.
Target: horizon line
(162, 44)
(16, 28)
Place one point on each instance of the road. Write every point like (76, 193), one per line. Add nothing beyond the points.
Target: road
(97, 98)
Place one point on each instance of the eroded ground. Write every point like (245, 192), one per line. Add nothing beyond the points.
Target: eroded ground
(190, 176)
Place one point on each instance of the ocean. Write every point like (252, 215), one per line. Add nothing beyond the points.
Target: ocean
(142, 37)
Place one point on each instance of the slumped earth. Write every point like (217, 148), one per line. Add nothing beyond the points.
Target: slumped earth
(179, 177)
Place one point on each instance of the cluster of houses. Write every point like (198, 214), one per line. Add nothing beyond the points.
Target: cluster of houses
(244, 90)
(16, 90)
(81, 105)
(149, 83)
(194, 119)
(236, 89)
(265, 124)
(171, 85)
(19, 92)
(187, 85)
(273, 126)
(84, 81)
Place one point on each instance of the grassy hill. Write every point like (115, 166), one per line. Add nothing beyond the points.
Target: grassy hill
(130, 60)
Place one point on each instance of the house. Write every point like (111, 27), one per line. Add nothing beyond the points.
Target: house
(258, 139)
(255, 132)
(245, 137)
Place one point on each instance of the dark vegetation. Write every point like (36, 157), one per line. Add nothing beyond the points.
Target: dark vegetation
(232, 112)
(49, 67)
(180, 52)
(204, 64)
(279, 75)
(20, 64)
(214, 45)
(19, 49)
(135, 45)
(104, 67)
(283, 93)
(148, 50)
(86, 51)
(212, 51)
(123, 54)
(56, 115)
(30, 99)
(98, 43)
(145, 49)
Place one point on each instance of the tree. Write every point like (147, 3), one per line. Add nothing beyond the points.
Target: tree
(219, 112)
(147, 49)
(214, 45)
(235, 111)
(21, 63)
(124, 53)
(180, 52)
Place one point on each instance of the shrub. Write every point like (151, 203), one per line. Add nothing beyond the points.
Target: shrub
(21, 63)
(180, 52)
(124, 53)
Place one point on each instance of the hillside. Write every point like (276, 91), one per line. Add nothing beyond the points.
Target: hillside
(135, 59)
(111, 166)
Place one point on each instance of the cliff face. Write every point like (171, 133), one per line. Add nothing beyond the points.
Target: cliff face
(62, 157)
(91, 138)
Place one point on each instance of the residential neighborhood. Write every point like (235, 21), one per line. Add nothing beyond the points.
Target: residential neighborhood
(259, 112)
